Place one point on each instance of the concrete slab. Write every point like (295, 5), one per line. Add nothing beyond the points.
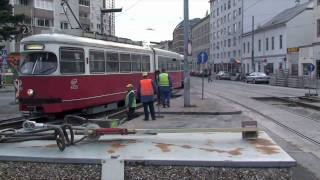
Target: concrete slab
(195, 149)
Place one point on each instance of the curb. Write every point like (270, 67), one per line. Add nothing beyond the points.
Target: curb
(201, 113)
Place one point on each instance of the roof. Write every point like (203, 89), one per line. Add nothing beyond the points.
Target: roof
(192, 22)
(202, 20)
(286, 15)
(75, 40)
(283, 17)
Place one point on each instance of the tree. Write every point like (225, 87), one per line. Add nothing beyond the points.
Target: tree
(8, 21)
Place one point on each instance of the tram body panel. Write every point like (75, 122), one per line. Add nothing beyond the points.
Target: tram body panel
(46, 85)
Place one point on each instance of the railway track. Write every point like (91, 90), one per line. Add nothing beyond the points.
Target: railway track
(292, 130)
(16, 121)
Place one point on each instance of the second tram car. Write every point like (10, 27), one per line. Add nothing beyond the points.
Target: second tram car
(61, 73)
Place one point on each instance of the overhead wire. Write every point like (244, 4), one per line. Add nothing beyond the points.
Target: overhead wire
(129, 8)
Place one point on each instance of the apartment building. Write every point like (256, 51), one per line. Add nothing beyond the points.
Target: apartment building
(229, 19)
(310, 54)
(277, 42)
(200, 36)
(178, 35)
(48, 16)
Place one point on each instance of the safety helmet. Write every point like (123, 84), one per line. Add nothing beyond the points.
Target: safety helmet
(129, 86)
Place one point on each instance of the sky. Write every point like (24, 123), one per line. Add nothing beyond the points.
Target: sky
(154, 20)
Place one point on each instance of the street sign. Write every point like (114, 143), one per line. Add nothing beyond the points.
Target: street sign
(189, 49)
(311, 67)
(3, 52)
(202, 58)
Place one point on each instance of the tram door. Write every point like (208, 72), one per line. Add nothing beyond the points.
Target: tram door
(318, 68)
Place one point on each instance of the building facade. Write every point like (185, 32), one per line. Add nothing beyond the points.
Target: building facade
(277, 42)
(178, 35)
(229, 19)
(48, 16)
(200, 36)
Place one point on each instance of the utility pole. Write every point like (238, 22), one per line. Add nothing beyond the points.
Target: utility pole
(186, 54)
(104, 11)
(252, 48)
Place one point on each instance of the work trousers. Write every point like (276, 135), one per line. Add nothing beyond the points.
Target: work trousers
(146, 107)
(131, 114)
(165, 95)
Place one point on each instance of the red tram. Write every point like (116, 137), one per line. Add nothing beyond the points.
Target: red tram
(61, 73)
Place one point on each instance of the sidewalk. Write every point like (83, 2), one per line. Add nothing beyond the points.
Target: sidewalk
(177, 116)
(7, 88)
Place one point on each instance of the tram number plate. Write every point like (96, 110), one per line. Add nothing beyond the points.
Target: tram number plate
(74, 84)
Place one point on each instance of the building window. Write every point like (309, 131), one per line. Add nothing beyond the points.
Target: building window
(229, 4)
(42, 22)
(84, 2)
(318, 28)
(259, 45)
(248, 47)
(44, 4)
(272, 43)
(64, 25)
(229, 42)
(244, 48)
(267, 44)
(305, 69)
(72, 61)
(280, 40)
(22, 2)
(318, 2)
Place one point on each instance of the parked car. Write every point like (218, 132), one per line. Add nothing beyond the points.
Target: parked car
(257, 77)
(223, 75)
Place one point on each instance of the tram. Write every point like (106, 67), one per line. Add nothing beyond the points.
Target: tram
(61, 73)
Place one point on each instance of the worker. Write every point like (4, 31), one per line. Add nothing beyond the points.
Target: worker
(130, 102)
(156, 77)
(146, 91)
(165, 86)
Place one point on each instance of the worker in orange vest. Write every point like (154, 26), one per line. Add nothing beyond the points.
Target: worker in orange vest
(146, 91)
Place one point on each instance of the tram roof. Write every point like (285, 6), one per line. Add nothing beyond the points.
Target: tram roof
(76, 40)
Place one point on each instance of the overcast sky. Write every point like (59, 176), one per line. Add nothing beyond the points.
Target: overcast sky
(154, 20)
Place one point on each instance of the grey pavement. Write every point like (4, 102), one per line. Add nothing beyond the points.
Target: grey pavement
(8, 107)
(237, 96)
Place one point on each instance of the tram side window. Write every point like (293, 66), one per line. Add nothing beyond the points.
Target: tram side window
(162, 63)
(97, 62)
(72, 61)
(125, 63)
(145, 63)
(112, 63)
(136, 62)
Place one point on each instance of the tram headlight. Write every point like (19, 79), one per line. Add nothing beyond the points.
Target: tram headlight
(30, 92)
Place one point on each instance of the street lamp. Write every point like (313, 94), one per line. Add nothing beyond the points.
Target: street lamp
(105, 11)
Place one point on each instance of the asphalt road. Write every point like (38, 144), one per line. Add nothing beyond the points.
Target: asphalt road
(270, 115)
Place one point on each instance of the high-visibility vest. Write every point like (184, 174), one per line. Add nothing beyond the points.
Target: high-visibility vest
(164, 79)
(146, 87)
(134, 103)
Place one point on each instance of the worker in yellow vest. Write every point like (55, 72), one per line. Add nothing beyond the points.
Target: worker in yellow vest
(165, 86)
(130, 102)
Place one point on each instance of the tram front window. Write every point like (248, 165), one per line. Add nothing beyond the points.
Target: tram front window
(39, 63)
